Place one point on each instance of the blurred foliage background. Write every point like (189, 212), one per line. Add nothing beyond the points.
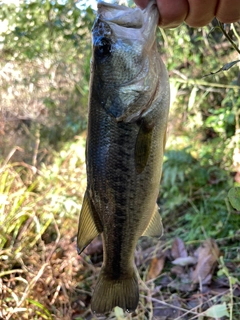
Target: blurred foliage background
(45, 49)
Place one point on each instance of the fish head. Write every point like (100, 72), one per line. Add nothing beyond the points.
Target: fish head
(123, 42)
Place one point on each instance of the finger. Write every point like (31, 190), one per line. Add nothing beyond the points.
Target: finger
(172, 12)
(201, 12)
(228, 11)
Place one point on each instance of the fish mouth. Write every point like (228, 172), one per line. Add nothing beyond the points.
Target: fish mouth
(115, 21)
(135, 18)
(120, 15)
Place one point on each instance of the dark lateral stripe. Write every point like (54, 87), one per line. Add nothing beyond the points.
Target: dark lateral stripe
(121, 174)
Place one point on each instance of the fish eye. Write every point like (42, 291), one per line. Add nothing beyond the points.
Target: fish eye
(103, 48)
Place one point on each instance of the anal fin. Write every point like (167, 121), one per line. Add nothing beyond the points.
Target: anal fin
(155, 227)
(89, 225)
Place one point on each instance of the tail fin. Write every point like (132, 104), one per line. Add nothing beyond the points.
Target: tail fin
(111, 293)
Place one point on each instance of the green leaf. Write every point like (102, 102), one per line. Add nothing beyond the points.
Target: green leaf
(226, 67)
(233, 280)
(119, 313)
(217, 311)
(40, 306)
(234, 197)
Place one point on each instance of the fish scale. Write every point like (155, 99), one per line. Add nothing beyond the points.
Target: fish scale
(128, 111)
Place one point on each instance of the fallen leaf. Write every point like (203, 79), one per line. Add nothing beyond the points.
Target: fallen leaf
(119, 313)
(185, 261)
(177, 270)
(164, 281)
(217, 311)
(178, 249)
(156, 267)
(208, 254)
(182, 283)
(164, 312)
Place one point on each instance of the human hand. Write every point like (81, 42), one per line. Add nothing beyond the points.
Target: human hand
(196, 13)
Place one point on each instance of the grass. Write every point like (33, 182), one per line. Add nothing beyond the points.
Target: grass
(36, 211)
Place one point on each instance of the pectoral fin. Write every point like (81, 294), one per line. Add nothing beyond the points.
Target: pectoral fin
(155, 227)
(89, 225)
(143, 146)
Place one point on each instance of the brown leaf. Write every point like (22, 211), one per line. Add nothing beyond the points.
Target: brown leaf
(177, 270)
(178, 249)
(156, 267)
(207, 254)
(182, 283)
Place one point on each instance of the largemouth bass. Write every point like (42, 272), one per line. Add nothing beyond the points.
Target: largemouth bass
(128, 112)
